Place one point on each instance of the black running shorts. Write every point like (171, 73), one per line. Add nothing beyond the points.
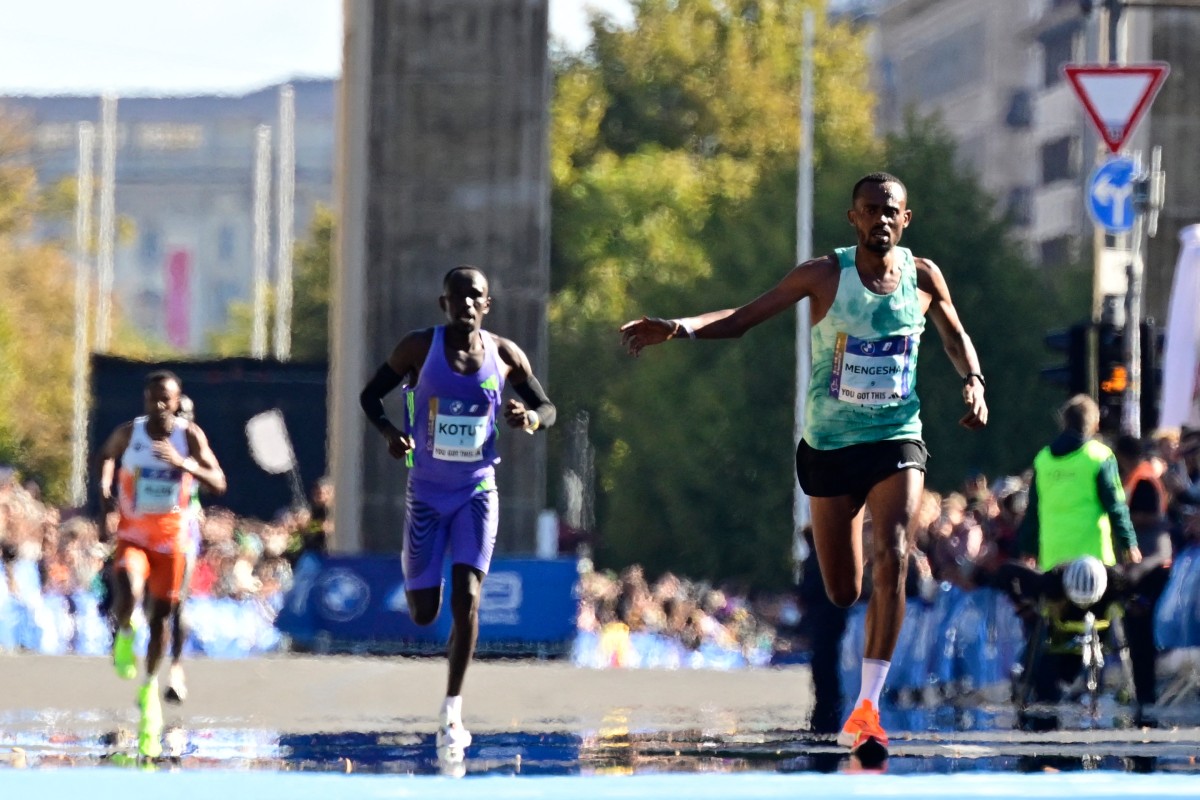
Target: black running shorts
(855, 469)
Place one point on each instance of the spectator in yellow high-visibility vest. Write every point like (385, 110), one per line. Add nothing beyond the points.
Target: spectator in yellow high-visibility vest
(1076, 502)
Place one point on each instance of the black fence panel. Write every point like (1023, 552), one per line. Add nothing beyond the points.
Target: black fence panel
(227, 392)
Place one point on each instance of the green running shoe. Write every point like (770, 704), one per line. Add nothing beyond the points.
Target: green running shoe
(124, 660)
(150, 727)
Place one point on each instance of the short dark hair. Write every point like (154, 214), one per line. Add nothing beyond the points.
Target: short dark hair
(877, 177)
(459, 269)
(162, 376)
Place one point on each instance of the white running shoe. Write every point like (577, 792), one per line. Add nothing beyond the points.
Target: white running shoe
(453, 736)
(176, 686)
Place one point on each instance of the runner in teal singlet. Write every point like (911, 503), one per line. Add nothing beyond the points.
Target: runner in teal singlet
(862, 446)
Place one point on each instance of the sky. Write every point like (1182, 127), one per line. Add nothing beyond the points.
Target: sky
(168, 47)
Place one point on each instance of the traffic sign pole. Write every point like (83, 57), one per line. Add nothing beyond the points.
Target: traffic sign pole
(1115, 98)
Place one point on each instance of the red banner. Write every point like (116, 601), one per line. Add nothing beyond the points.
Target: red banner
(178, 298)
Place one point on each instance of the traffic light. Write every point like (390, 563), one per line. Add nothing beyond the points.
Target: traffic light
(1073, 343)
(1112, 376)
(1102, 346)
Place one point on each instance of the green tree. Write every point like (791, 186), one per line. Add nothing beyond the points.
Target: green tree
(37, 319)
(36, 343)
(673, 158)
(673, 155)
(310, 304)
(35, 335)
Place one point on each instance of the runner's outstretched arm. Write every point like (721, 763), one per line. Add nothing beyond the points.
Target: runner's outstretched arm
(729, 323)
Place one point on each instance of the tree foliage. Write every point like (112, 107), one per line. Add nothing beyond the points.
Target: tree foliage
(36, 336)
(37, 319)
(673, 156)
(36, 345)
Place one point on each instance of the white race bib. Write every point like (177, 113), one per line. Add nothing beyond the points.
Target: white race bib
(157, 491)
(460, 429)
(875, 372)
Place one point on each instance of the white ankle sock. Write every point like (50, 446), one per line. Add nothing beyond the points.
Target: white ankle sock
(874, 673)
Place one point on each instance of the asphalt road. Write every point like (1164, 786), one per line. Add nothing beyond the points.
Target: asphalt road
(299, 694)
(79, 696)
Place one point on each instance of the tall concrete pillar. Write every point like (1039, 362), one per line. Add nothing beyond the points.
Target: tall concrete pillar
(1175, 125)
(443, 160)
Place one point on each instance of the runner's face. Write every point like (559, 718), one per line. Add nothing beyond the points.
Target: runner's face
(162, 401)
(879, 216)
(466, 301)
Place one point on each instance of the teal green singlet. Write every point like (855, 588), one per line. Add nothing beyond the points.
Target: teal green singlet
(864, 361)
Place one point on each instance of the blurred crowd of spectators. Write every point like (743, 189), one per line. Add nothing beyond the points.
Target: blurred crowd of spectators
(625, 619)
(239, 558)
(977, 525)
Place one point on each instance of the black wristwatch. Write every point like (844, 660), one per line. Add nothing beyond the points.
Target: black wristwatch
(969, 375)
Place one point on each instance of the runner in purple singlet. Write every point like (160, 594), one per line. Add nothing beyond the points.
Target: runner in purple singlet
(455, 375)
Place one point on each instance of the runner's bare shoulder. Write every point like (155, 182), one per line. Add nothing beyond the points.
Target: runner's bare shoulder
(410, 352)
(117, 441)
(816, 278)
(929, 274)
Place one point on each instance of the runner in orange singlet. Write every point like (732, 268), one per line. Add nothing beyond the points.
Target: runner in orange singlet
(159, 456)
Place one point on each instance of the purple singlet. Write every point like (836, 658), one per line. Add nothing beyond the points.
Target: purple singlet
(454, 417)
(452, 499)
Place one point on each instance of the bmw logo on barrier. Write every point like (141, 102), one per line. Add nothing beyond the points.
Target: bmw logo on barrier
(342, 595)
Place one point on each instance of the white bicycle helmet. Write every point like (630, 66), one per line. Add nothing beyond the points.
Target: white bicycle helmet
(1085, 580)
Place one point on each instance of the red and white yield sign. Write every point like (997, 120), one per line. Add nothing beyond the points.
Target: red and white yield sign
(1116, 97)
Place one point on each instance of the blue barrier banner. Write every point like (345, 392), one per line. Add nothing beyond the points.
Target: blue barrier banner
(357, 604)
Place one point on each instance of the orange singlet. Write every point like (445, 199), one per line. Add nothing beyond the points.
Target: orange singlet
(153, 500)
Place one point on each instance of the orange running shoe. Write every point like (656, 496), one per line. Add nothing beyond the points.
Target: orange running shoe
(863, 726)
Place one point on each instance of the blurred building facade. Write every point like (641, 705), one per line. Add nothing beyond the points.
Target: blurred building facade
(992, 73)
(185, 180)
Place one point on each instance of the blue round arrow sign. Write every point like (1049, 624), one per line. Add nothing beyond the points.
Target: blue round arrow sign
(1110, 194)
